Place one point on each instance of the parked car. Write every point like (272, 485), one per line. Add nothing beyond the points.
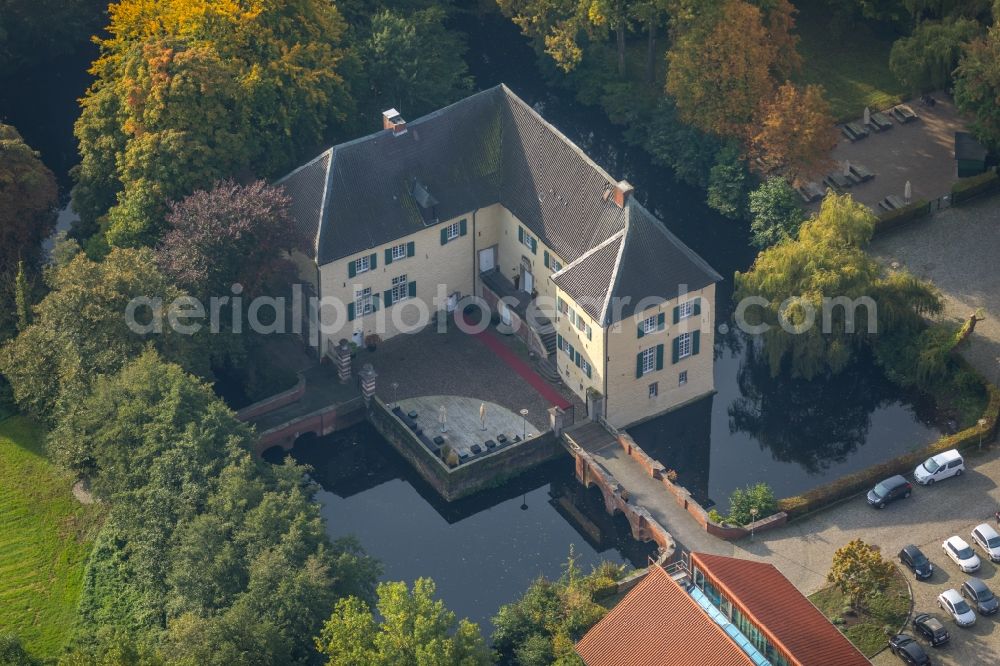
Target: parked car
(943, 465)
(952, 603)
(980, 596)
(931, 628)
(988, 540)
(961, 554)
(908, 650)
(918, 563)
(893, 488)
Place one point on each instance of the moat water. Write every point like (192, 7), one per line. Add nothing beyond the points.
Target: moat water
(484, 551)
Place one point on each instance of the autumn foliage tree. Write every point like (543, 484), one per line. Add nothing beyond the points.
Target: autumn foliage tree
(977, 85)
(860, 571)
(795, 133)
(190, 91)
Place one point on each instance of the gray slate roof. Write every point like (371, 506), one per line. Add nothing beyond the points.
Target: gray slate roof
(488, 148)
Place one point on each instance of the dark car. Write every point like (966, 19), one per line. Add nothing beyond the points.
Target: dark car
(918, 563)
(980, 597)
(908, 650)
(893, 488)
(931, 628)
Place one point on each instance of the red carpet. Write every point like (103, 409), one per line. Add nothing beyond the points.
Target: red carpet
(490, 338)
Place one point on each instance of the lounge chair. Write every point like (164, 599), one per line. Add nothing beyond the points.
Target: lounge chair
(838, 180)
(858, 129)
(904, 114)
(880, 122)
(861, 172)
(897, 202)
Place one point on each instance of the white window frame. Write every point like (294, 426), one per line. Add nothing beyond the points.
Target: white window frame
(400, 288)
(682, 378)
(554, 264)
(398, 252)
(527, 240)
(453, 231)
(362, 265)
(585, 366)
(649, 325)
(363, 302)
(567, 347)
(683, 345)
(648, 360)
(654, 390)
(685, 310)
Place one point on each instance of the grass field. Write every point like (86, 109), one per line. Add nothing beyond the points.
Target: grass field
(45, 537)
(853, 66)
(866, 630)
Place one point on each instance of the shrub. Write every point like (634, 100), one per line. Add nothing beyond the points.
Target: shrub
(716, 517)
(895, 218)
(967, 188)
(742, 501)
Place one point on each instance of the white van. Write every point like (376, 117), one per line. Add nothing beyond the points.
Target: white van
(941, 466)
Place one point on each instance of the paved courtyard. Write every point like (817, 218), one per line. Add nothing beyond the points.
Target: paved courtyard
(958, 250)
(922, 152)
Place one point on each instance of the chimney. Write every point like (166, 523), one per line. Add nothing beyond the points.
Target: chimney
(391, 120)
(623, 190)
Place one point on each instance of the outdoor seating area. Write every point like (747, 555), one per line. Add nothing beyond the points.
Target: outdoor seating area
(469, 427)
(849, 176)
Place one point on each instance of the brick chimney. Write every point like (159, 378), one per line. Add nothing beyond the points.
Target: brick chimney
(622, 191)
(391, 120)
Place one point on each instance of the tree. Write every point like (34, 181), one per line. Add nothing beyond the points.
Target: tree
(552, 25)
(27, 215)
(191, 91)
(34, 31)
(795, 133)
(860, 571)
(12, 653)
(616, 16)
(413, 628)
(719, 69)
(977, 86)
(776, 212)
(229, 234)
(652, 14)
(413, 62)
(926, 59)
(22, 298)
(79, 330)
(727, 183)
(744, 502)
(826, 260)
(543, 625)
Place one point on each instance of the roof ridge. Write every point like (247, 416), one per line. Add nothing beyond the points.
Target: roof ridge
(614, 273)
(588, 253)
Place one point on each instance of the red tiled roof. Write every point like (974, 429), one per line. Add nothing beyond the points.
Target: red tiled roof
(781, 611)
(658, 624)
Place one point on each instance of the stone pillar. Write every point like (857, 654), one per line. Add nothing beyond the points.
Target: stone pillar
(557, 420)
(595, 405)
(367, 377)
(342, 353)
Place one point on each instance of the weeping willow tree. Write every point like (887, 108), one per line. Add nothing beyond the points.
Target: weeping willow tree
(823, 298)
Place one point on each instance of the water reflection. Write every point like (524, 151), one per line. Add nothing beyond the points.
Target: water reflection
(482, 551)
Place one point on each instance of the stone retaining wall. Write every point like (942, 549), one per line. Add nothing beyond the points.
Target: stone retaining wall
(321, 422)
(274, 402)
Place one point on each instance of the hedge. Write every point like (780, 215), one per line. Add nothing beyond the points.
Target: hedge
(894, 218)
(852, 484)
(967, 188)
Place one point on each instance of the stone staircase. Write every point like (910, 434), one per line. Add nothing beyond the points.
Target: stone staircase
(549, 340)
(548, 370)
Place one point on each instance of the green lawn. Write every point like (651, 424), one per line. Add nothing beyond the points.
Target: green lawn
(867, 630)
(852, 66)
(45, 538)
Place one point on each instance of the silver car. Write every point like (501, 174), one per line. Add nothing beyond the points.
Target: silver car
(952, 603)
(987, 538)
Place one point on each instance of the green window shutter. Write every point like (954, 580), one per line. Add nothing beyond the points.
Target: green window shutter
(660, 321)
(411, 249)
(558, 341)
(659, 357)
(534, 246)
(462, 228)
(676, 350)
(352, 269)
(411, 289)
(589, 370)
(388, 256)
(578, 359)
(639, 332)
(350, 312)
(677, 313)
(376, 298)
(520, 234)
(590, 332)
(560, 303)
(545, 258)
(388, 297)
(444, 235)
(638, 365)
(373, 261)
(695, 342)
(697, 306)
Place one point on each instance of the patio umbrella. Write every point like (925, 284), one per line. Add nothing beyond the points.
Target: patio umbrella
(482, 414)
(868, 115)
(443, 418)
(907, 191)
